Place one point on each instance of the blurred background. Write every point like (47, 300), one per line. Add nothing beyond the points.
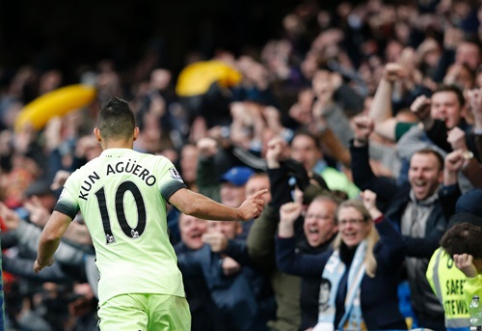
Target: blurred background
(67, 34)
(213, 84)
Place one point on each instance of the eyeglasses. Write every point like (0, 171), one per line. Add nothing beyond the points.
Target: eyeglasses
(319, 217)
(353, 222)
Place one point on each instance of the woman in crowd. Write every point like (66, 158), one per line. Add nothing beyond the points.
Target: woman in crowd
(362, 268)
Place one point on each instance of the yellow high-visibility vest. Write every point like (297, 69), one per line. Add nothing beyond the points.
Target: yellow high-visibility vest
(447, 282)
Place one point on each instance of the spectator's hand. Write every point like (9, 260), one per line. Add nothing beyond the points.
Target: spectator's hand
(70, 125)
(259, 75)
(216, 240)
(259, 122)
(475, 101)
(465, 263)
(37, 266)
(289, 212)
(252, 207)
(424, 21)
(380, 170)
(319, 111)
(60, 178)
(272, 116)
(300, 114)
(452, 75)
(207, 147)
(324, 85)
(421, 107)
(408, 61)
(198, 129)
(362, 128)
(444, 7)
(336, 80)
(393, 72)
(428, 45)
(456, 139)
(241, 114)
(158, 105)
(318, 125)
(326, 38)
(24, 138)
(454, 161)
(52, 133)
(6, 139)
(222, 134)
(276, 147)
(369, 199)
(230, 266)
(10, 218)
(38, 214)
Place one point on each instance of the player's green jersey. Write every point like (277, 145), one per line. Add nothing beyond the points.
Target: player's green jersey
(122, 196)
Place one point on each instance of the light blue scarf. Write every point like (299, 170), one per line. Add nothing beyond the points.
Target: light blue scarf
(333, 271)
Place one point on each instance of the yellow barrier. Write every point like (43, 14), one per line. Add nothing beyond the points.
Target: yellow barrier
(56, 103)
(196, 78)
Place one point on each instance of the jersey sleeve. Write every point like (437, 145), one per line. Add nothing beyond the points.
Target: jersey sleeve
(68, 203)
(169, 179)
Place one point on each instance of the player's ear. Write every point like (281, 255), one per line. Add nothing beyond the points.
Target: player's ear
(97, 134)
(136, 133)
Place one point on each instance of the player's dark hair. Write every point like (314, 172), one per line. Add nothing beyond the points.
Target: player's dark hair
(116, 119)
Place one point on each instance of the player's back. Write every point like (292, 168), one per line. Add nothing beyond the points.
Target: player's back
(121, 195)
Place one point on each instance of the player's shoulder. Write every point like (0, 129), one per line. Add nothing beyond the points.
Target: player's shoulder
(162, 165)
(151, 158)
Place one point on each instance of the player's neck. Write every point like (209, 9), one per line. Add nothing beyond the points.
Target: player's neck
(118, 144)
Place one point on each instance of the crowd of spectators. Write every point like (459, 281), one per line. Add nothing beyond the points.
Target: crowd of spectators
(379, 102)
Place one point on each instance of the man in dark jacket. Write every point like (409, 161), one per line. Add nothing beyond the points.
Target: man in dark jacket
(295, 300)
(204, 313)
(417, 211)
(238, 290)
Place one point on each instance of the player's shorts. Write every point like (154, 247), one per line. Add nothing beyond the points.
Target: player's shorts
(145, 312)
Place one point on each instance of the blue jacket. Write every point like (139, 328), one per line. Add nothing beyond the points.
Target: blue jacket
(378, 295)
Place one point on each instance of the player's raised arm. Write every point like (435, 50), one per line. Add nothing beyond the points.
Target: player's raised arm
(198, 205)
